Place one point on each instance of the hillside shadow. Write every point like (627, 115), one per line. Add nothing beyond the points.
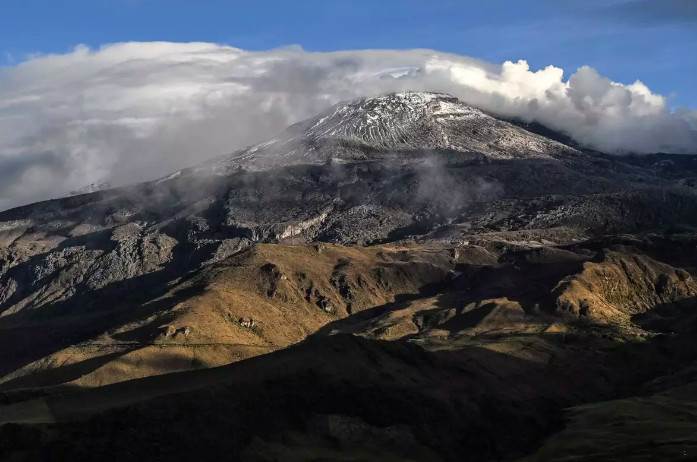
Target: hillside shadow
(59, 375)
(515, 278)
(670, 318)
(475, 401)
(400, 301)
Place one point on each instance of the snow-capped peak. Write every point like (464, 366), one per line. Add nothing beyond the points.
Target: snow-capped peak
(390, 121)
(393, 123)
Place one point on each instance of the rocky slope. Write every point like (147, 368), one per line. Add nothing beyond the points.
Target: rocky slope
(478, 366)
(401, 277)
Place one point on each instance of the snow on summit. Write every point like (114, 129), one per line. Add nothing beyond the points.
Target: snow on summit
(404, 121)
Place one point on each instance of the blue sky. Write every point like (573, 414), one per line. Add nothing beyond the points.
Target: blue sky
(651, 40)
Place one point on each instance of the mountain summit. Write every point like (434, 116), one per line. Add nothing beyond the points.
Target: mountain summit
(424, 120)
(398, 123)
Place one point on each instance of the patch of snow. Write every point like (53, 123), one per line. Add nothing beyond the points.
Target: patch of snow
(169, 177)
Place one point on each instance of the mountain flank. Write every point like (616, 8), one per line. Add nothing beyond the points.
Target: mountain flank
(402, 277)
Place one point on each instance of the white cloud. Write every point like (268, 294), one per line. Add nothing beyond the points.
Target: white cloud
(134, 111)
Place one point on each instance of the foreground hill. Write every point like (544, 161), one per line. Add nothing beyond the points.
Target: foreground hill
(400, 278)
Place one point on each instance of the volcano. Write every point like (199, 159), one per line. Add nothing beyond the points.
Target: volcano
(402, 277)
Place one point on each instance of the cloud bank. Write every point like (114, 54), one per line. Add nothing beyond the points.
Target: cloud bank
(130, 112)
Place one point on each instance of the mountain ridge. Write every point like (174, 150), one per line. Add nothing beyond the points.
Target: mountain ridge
(381, 235)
